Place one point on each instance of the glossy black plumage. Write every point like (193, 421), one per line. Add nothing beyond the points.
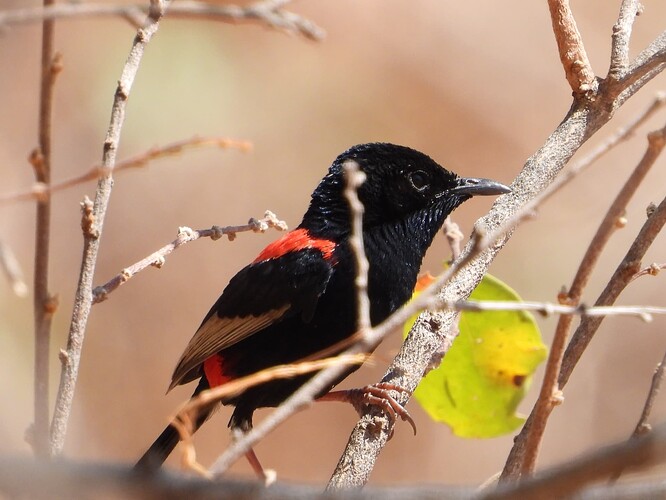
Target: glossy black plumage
(298, 297)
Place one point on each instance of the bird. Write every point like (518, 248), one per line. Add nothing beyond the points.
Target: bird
(297, 297)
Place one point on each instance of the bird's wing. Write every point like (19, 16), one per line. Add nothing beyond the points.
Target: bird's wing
(260, 295)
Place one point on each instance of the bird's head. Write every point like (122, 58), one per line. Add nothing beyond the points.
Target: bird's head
(399, 182)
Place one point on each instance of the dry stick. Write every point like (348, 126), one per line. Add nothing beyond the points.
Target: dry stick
(268, 12)
(44, 304)
(523, 456)
(185, 235)
(92, 223)
(42, 192)
(570, 46)
(12, 269)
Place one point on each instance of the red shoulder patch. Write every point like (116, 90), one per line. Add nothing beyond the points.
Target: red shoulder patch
(214, 370)
(299, 239)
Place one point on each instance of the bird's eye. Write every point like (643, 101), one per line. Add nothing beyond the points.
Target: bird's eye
(419, 180)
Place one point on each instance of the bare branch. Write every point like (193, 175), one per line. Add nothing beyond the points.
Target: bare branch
(43, 305)
(185, 235)
(617, 283)
(570, 46)
(545, 308)
(266, 12)
(621, 37)
(354, 177)
(91, 237)
(523, 456)
(41, 191)
(454, 236)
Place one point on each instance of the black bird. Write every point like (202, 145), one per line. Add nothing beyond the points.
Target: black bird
(298, 297)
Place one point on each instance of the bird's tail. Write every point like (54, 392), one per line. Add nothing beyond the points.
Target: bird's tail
(158, 452)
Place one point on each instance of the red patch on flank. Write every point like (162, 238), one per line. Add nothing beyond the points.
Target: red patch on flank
(299, 239)
(214, 370)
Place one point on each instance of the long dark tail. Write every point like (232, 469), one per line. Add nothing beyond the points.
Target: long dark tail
(158, 452)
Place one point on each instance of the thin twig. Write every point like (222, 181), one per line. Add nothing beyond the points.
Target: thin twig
(651, 270)
(454, 236)
(12, 269)
(41, 192)
(643, 427)
(570, 46)
(44, 303)
(523, 456)
(185, 235)
(354, 177)
(266, 12)
(621, 36)
(92, 222)
(545, 308)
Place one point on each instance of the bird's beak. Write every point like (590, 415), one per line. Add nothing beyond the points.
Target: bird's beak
(471, 186)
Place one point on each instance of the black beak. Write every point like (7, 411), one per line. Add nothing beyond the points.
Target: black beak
(470, 186)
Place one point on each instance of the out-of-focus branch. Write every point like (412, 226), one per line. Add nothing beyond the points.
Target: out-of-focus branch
(12, 270)
(564, 480)
(267, 12)
(577, 66)
(44, 304)
(20, 478)
(92, 224)
(185, 235)
(42, 192)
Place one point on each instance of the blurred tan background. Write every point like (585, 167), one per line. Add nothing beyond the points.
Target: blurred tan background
(476, 85)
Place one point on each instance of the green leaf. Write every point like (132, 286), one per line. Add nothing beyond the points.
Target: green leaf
(487, 371)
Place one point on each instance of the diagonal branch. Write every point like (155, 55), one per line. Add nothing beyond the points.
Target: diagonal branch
(185, 235)
(93, 221)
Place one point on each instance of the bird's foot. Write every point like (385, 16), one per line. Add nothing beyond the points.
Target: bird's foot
(374, 395)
